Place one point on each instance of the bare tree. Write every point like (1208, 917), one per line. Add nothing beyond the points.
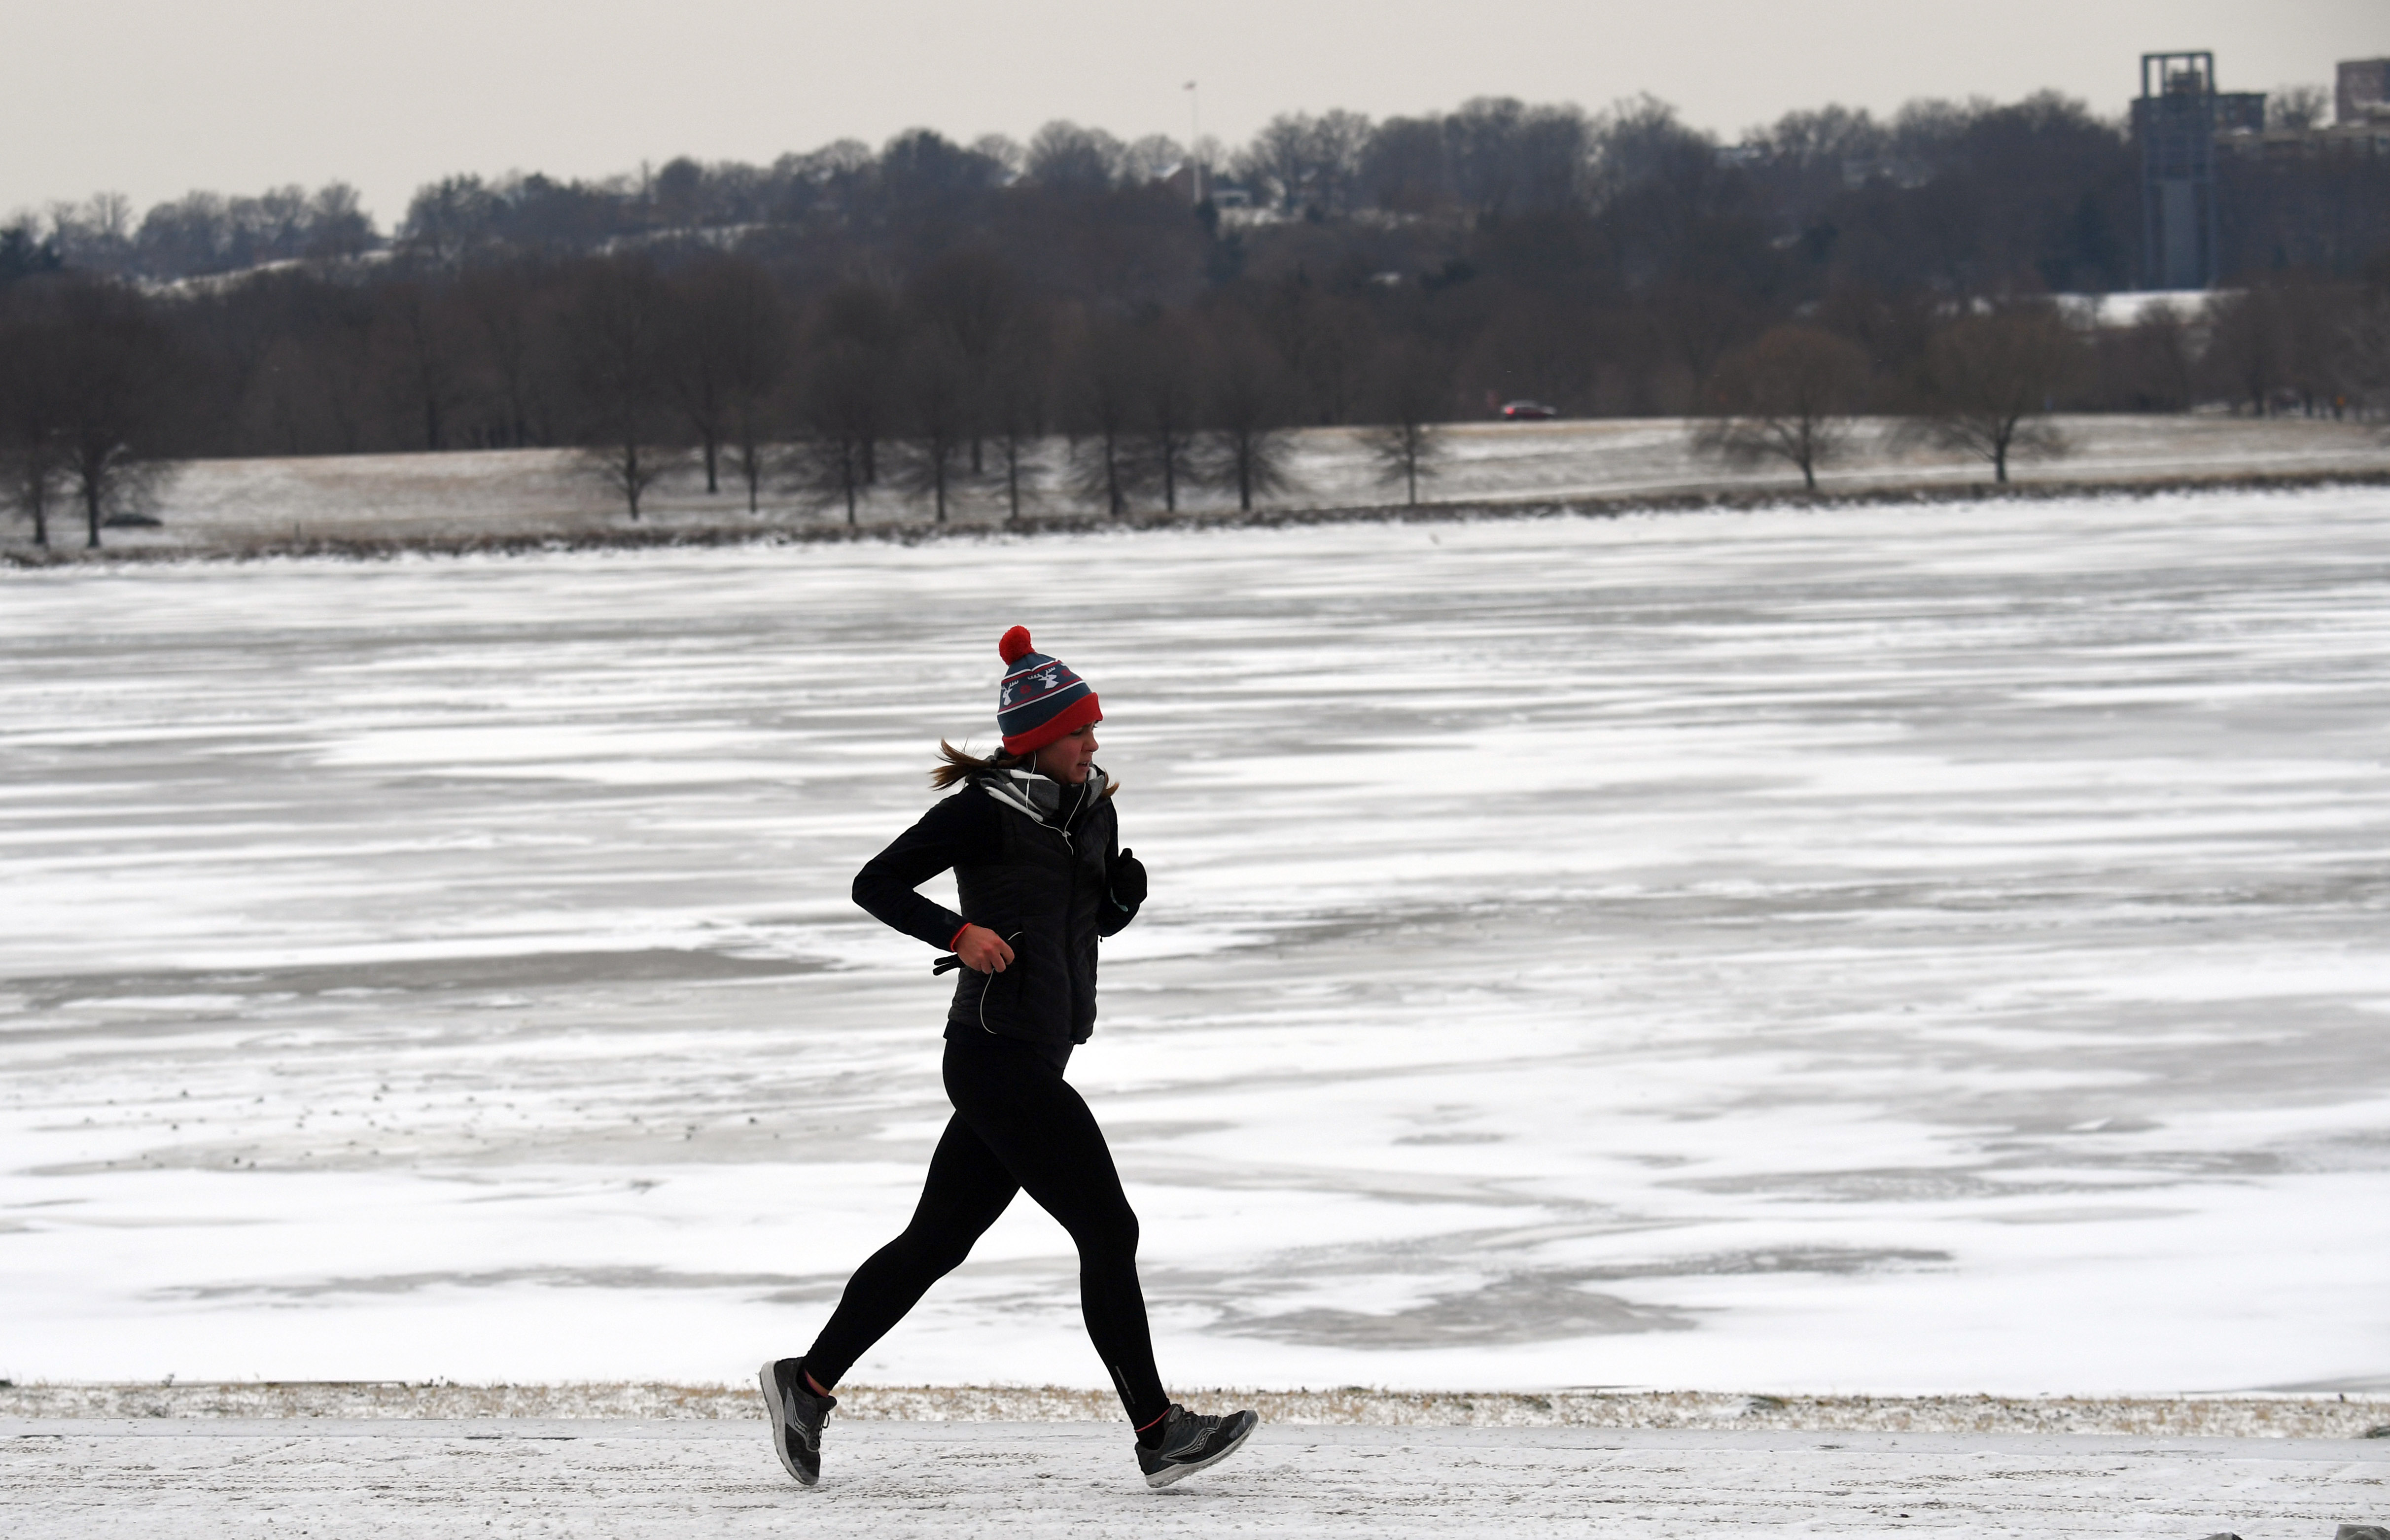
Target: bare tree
(969, 297)
(843, 410)
(828, 468)
(1314, 163)
(1990, 380)
(691, 352)
(1007, 155)
(1062, 154)
(337, 225)
(504, 311)
(24, 252)
(858, 334)
(937, 418)
(1701, 324)
(33, 450)
(110, 392)
(1279, 156)
(414, 341)
(1794, 395)
(2249, 344)
(2364, 343)
(1326, 340)
(1403, 167)
(32, 481)
(94, 235)
(2297, 107)
(1410, 399)
(1505, 155)
(1151, 159)
(1170, 388)
(757, 381)
(1246, 404)
(730, 347)
(2157, 361)
(1016, 398)
(322, 386)
(1104, 377)
(1338, 141)
(616, 322)
(2314, 315)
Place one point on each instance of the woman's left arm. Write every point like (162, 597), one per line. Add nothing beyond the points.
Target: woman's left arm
(1124, 891)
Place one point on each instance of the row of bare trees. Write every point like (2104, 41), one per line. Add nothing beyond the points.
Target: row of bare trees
(962, 375)
(1606, 264)
(951, 378)
(1985, 387)
(1983, 381)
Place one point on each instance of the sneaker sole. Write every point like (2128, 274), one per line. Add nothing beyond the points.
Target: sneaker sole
(771, 1384)
(1163, 1478)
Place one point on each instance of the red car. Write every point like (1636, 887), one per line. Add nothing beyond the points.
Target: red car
(1527, 411)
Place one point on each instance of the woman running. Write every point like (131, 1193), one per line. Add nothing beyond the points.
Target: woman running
(1035, 846)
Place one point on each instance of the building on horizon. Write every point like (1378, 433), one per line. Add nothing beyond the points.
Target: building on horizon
(2175, 121)
(2185, 129)
(2361, 95)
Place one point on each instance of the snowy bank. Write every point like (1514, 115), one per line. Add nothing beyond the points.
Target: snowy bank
(509, 499)
(2245, 1415)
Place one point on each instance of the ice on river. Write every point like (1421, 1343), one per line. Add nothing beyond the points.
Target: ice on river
(1870, 949)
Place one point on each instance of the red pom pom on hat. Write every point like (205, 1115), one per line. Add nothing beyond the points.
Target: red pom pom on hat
(1014, 645)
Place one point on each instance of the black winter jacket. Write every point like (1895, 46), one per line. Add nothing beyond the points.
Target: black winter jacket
(1032, 861)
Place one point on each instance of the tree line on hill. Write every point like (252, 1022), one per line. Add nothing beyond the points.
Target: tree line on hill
(916, 317)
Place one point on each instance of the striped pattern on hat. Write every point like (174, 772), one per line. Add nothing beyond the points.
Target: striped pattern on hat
(1040, 699)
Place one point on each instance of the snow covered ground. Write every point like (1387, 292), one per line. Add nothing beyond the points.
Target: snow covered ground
(2245, 1414)
(71, 1481)
(236, 505)
(1869, 949)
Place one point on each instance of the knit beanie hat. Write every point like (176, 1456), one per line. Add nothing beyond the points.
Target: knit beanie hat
(1040, 699)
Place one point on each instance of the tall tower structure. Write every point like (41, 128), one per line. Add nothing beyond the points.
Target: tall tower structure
(2175, 121)
(2364, 91)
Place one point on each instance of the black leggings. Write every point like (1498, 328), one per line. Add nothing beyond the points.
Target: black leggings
(1017, 1125)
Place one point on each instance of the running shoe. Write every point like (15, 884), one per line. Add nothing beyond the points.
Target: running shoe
(797, 1417)
(1190, 1443)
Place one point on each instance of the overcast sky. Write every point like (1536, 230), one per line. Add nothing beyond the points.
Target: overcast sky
(155, 97)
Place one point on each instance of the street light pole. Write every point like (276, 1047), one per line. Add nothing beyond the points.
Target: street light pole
(1195, 143)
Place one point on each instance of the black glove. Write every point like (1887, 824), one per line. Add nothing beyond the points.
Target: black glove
(1129, 880)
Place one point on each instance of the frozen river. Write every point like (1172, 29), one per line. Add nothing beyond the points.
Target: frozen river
(1874, 949)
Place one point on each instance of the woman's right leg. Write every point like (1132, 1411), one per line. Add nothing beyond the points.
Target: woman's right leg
(967, 1189)
(1026, 1112)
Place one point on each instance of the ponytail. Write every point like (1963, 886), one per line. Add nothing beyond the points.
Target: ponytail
(957, 765)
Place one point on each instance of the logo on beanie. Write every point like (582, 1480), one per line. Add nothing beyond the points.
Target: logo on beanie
(1030, 686)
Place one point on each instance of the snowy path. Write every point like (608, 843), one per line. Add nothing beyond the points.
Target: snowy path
(69, 1481)
(1870, 949)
